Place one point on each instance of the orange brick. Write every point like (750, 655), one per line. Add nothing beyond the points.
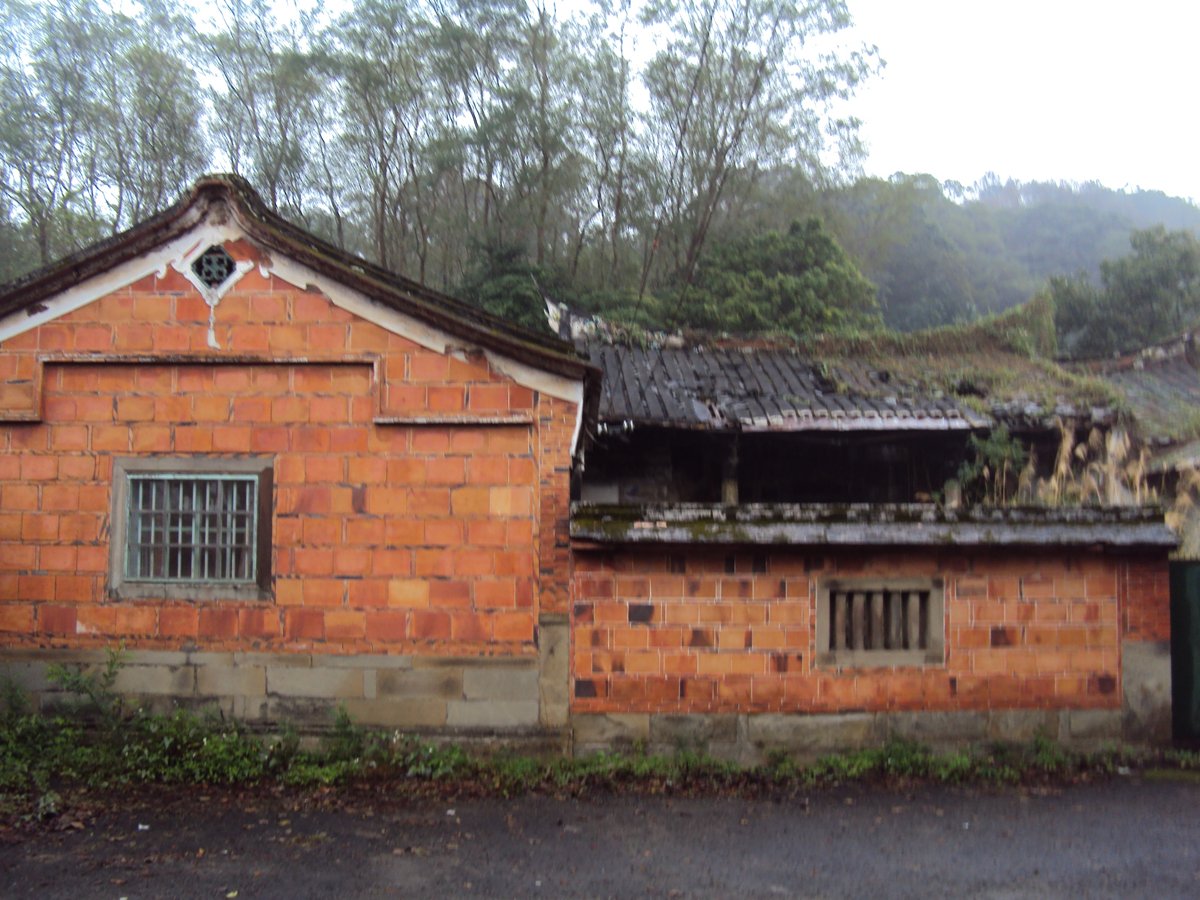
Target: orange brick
(468, 441)
(430, 625)
(77, 528)
(74, 587)
(210, 409)
(231, 438)
(313, 561)
(289, 410)
(308, 624)
(117, 621)
(16, 617)
(433, 563)
(351, 561)
(323, 591)
(427, 367)
(472, 562)
(269, 440)
(444, 533)
(323, 468)
(513, 626)
(251, 409)
(56, 619)
(328, 410)
(39, 468)
(370, 592)
(68, 437)
(679, 663)
(93, 337)
(446, 471)
(445, 399)
(449, 594)
(21, 557)
(344, 625)
(432, 441)
(470, 627)
(152, 439)
(36, 527)
(366, 470)
(217, 623)
(470, 501)
(387, 626)
(193, 439)
(735, 691)
(488, 397)
(391, 562)
(309, 308)
(259, 623)
(487, 534)
(20, 497)
(10, 528)
(408, 593)
(179, 621)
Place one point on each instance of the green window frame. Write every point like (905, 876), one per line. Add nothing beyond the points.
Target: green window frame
(191, 528)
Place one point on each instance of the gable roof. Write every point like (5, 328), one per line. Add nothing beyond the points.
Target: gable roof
(219, 198)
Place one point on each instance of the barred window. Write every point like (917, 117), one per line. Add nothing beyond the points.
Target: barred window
(191, 528)
(880, 622)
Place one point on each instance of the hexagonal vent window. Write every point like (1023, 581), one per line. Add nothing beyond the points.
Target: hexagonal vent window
(213, 266)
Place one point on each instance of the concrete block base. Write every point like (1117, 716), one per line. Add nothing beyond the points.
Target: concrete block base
(471, 699)
(751, 739)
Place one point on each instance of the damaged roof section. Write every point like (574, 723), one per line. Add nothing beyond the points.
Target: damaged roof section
(958, 378)
(755, 388)
(1161, 386)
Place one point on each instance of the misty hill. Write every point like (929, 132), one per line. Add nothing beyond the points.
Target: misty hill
(943, 253)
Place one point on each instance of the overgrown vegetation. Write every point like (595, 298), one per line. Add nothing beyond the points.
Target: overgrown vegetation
(86, 746)
(992, 471)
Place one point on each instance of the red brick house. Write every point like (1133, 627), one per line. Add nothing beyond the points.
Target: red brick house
(285, 479)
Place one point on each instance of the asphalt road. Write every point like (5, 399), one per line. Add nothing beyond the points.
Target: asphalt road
(1131, 837)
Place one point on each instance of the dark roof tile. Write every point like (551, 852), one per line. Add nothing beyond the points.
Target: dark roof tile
(757, 388)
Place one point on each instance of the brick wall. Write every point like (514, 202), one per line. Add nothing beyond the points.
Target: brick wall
(1145, 586)
(703, 630)
(387, 537)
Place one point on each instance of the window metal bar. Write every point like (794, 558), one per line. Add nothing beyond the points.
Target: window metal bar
(185, 528)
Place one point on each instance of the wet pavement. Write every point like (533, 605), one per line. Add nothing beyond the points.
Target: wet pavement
(1128, 837)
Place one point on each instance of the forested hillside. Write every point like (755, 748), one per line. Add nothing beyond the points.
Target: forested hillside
(675, 163)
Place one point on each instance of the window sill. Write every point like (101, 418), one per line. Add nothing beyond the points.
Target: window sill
(159, 590)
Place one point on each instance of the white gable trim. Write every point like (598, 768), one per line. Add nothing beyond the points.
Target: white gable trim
(180, 252)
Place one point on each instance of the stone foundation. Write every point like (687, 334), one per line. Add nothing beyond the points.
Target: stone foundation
(750, 739)
(464, 699)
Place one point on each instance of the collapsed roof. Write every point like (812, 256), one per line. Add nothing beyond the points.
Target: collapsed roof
(961, 378)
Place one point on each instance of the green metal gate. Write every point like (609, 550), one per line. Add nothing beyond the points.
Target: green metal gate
(1185, 650)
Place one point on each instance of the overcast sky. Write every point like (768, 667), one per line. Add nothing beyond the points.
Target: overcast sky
(1035, 90)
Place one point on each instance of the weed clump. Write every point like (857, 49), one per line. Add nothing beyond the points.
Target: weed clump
(93, 741)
